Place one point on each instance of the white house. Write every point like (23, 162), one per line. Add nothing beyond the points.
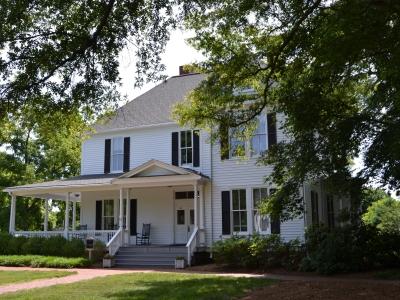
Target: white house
(142, 168)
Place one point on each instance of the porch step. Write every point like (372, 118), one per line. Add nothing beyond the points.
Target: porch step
(151, 256)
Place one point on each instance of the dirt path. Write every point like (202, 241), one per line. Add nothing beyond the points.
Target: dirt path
(327, 290)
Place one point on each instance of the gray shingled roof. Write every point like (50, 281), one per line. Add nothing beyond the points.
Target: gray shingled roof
(154, 106)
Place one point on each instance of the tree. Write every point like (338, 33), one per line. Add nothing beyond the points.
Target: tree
(384, 214)
(37, 145)
(64, 54)
(329, 66)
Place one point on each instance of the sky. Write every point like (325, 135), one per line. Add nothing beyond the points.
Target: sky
(177, 53)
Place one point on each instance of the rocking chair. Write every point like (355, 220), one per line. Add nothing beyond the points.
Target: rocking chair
(144, 237)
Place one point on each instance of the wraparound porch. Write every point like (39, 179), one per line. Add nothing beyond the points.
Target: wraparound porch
(151, 188)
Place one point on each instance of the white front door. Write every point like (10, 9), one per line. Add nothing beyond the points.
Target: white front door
(184, 220)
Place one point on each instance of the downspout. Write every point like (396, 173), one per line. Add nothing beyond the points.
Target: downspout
(305, 209)
(211, 191)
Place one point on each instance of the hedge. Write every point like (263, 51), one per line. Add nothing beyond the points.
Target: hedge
(52, 246)
(37, 261)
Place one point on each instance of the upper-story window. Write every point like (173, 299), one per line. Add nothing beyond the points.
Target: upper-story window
(259, 140)
(117, 154)
(255, 146)
(186, 147)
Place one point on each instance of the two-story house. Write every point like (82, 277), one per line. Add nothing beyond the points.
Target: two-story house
(141, 168)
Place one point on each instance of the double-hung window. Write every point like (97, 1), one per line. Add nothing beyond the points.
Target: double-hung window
(260, 222)
(108, 214)
(186, 147)
(239, 210)
(117, 154)
(237, 146)
(259, 139)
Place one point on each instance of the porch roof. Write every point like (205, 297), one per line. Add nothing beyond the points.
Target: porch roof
(150, 174)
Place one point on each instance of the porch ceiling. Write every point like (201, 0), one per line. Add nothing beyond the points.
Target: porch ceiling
(57, 189)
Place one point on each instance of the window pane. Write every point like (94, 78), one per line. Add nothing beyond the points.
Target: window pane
(183, 156)
(236, 219)
(264, 223)
(261, 128)
(242, 199)
(235, 199)
(189, 156)
(183, 139)
(264, 193)
(118, 145)
(188, 138)
(243, 219)
(262, 143)
(108, 208)
(180, 217)
(256, 197)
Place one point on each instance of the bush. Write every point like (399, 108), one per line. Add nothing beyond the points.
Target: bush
(54, 246)
(260, 252)
(37, 261)
(33, 245)
(350, 249)
(98, 251)
(4, 240)
(74, 248)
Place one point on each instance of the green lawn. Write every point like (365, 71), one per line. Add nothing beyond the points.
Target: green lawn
(7, 277)
(148, 286)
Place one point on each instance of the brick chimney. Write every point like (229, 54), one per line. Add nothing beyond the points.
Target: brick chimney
(182, 71)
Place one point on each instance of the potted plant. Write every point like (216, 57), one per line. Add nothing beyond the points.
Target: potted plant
(179, 262)
(108, 261)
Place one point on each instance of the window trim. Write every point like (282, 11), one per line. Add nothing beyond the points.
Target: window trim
(180, 148)
(241, 232)
(112, 155)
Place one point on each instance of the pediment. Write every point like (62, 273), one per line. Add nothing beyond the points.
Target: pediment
(155, 168)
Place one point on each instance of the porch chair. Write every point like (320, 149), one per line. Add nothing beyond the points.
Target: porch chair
(144, 237)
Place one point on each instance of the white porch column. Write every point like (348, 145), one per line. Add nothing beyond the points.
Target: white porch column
(201, 206)
(128, 211)
(121, 209)
(46, 215)
(66, 218)
(12, 213)
(196, 221)
(73, 215)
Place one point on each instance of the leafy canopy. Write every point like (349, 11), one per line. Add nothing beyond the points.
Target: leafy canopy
(384, 214)
(65, 53)
(329, 66)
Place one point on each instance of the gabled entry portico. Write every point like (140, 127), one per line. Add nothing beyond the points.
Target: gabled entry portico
(151, 190)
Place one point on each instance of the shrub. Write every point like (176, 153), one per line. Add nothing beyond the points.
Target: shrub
(54, 246)
(74, 248)
(260, 252)
(4, 240)
(350, 249)
(15, 245)
(37, 261)
(384, 214)
(33, 245)
(233, 252)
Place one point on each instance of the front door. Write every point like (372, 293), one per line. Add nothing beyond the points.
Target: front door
(184, 220)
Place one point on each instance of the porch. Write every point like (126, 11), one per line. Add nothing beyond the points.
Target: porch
(115, 206)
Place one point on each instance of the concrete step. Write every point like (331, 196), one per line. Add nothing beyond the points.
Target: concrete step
(144, 264)
(152, 255)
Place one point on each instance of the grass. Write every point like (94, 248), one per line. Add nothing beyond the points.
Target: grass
(388, 274)
(7, 277)
(37, 261)
(148, 286)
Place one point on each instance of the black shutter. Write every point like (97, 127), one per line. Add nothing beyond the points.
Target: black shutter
(196, 148)
(127, 150)
(226, 212)
(107, 155)
(276, 226)
(133, 217)
(175, 149)
(224, 142)
(271, 123)
(99, 211)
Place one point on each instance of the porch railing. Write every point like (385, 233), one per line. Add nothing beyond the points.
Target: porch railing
(191, 245)
(45, 234)
(115, 242)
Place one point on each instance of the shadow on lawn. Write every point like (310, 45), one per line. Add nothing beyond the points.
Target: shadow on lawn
(199, 288)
